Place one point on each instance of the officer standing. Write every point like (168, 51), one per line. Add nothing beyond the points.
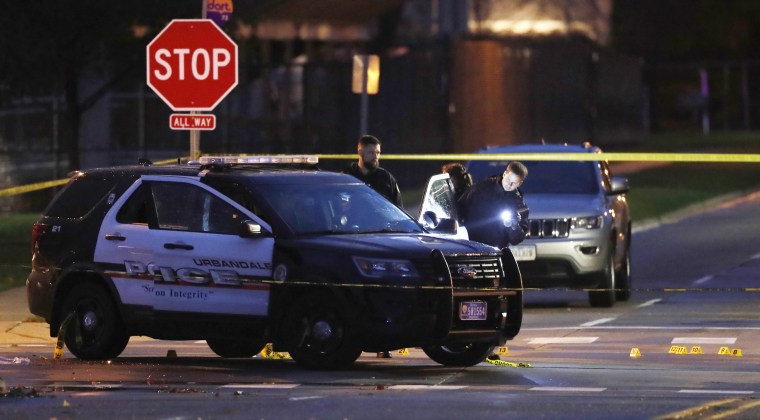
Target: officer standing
(494, 210)
(368, 170)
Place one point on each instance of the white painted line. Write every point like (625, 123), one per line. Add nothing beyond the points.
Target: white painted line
(311, 397)
(703, 340)
(199, 342)
(702, 280)
(715, 391)
(264, 386)
(418, 387)
(597, 322)
(641, 327)
(33, 345)
(754, 257)
(566, 389)
(562, 340)
(649, 303)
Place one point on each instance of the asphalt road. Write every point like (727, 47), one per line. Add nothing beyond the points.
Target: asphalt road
(695, 282)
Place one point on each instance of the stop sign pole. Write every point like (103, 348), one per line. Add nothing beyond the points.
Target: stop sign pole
(192, 66)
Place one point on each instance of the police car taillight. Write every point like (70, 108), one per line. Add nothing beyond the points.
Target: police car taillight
(273, 159)
(37, 230)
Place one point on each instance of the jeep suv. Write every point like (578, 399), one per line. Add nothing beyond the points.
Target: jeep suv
(245, 251)
(580, 224)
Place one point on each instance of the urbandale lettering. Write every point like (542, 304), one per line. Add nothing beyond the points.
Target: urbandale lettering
(207, 262)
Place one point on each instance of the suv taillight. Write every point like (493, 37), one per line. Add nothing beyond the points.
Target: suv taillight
(37, 231)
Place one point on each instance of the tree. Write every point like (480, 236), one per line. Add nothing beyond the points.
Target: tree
(49, 47)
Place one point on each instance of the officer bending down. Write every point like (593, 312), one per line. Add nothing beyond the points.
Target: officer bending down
(494, 211)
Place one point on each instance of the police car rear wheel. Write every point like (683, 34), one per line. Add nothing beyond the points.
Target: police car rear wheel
(319, 333)
(461, 355)
(96, 332)
(224, 347)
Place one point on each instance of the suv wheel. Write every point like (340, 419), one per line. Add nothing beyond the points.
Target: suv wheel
(96, 332)
(319, 334)
(605, 297)
(461, 355)
(623, 278)
(224, 347)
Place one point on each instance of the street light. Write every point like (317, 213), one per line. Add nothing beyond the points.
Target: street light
(365, 81)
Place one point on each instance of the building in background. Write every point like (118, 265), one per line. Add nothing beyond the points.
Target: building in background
(456, 75)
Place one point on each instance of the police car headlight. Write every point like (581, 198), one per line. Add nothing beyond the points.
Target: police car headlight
(592, 222)
(377, 267)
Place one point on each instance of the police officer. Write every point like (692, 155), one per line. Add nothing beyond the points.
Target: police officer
(368, 170)
(494, 210)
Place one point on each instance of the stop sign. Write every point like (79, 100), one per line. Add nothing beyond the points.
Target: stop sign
(192, 65)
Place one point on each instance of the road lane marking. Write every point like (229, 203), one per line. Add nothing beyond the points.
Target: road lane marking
(311, 397)
(649, 303)
(754, 257)
(702, 280)
(597, 322)
(257, 386)
(703, 340)
(639, 327)
(716, 391)
(419, 387)
(566, 389)
(562, 340)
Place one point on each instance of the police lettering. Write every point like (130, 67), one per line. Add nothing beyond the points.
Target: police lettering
(189, 275)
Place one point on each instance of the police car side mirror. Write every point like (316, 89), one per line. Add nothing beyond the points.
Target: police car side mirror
(430, 220)
(447, 226)
(251, 229)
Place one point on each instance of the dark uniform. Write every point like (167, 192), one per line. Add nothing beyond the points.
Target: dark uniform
(379, 180)
(480, 210)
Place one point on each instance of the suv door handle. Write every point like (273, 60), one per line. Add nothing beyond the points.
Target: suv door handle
(179, 246)
(115, 237)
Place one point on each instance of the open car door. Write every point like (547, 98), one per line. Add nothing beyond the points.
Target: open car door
(438, 211)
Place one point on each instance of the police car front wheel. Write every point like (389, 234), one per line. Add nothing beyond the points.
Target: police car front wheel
(225, 347)
(460, 355)
(319, 332)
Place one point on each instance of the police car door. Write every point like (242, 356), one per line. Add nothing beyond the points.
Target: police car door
(198, 262)
(438, 211)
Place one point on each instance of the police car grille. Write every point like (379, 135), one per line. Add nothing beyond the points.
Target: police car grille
(475, 271)
(549, 228)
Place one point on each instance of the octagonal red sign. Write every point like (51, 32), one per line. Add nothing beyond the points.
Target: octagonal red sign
(192, 65)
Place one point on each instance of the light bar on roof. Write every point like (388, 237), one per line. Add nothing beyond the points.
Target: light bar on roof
(271, 159)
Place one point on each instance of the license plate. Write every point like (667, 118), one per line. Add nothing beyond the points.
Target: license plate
(474, 310)
(523, 252)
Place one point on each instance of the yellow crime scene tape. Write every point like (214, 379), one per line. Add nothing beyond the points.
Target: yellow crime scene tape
(610, 157)
(50, 184)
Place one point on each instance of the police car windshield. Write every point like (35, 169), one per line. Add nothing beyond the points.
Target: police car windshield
(546, 177)
(339, 209)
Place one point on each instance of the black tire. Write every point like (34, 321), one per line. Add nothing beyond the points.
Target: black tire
(225, 347)
(461, 355)
(623, 278)
(605, 297)
(319, 333)
(96, 332)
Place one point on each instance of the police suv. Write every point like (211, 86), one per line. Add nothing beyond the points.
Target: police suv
(243, 251)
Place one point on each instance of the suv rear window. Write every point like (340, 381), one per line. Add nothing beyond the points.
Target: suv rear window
(546, 177)
(79, 197)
